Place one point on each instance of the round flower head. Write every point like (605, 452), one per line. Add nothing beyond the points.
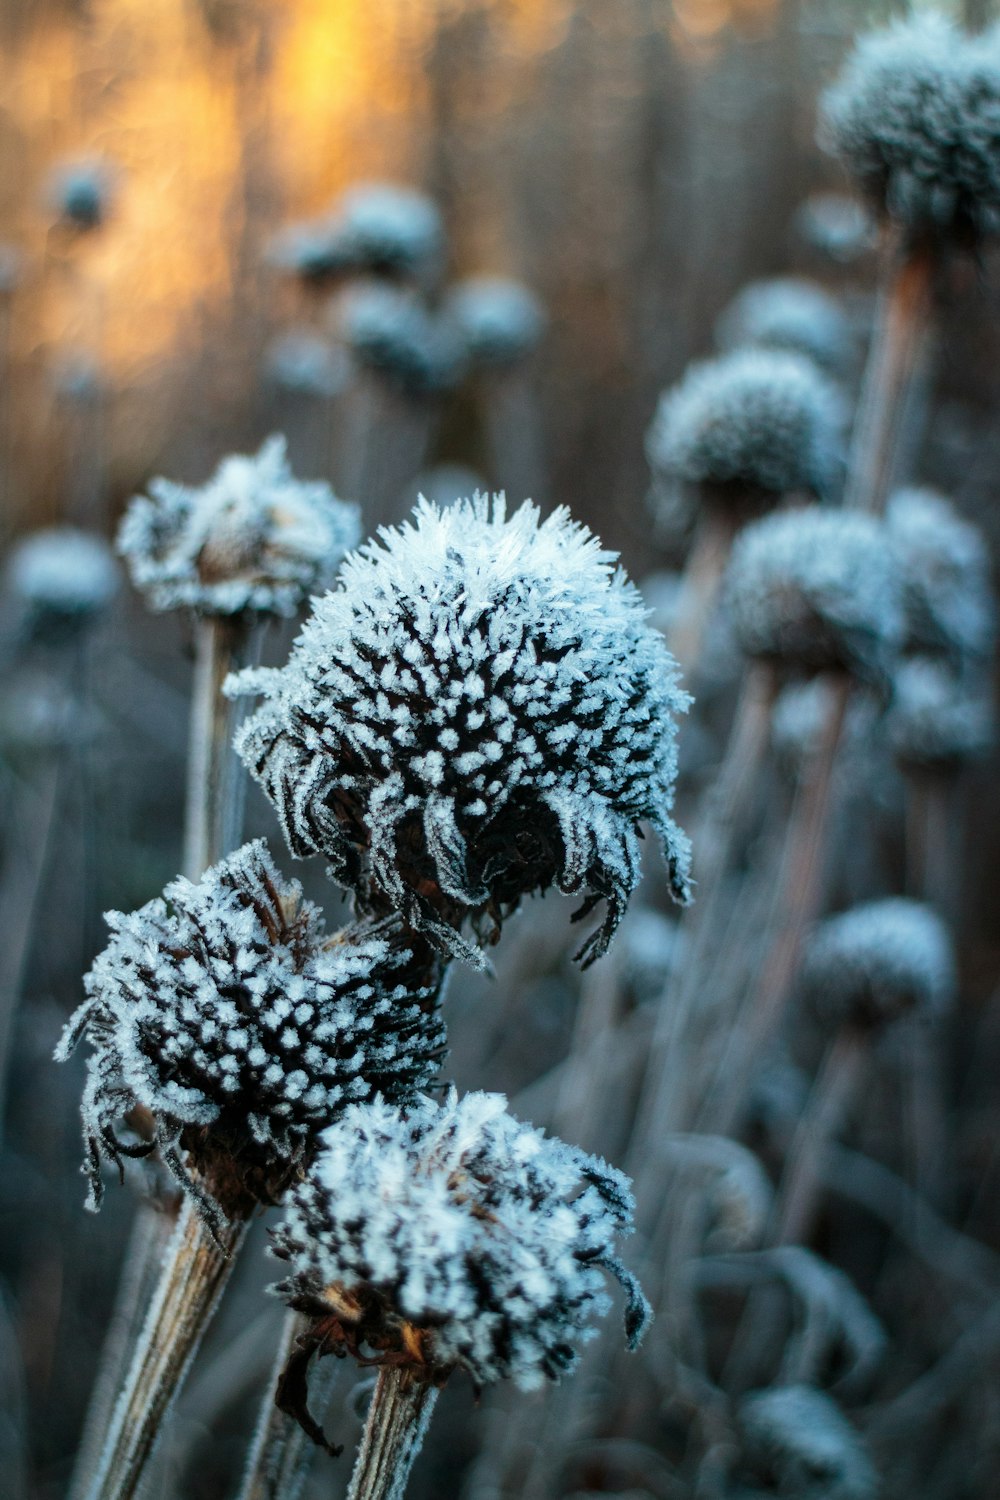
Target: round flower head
(303, 362)
(253, 538)
(796, 1440)
(384, 228)
(80, 192)
(937, 720)
(790, 313)
(945, 566)
(451, 1235)
(874, 962)
(480, 711)
(915, 117)
(500, 320)
(311, 250)
(225, 1013)
(817, 590)
(391, 332)
(756, 423)
(836, 225)
(60, 579)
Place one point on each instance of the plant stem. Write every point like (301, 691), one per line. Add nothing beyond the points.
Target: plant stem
(398, 1419)
(701, 586)
(281, 1454)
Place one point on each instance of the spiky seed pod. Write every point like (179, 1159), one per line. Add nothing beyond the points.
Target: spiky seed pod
(478, 711)
(755, 424)
(937, 720)
(254, 538)
(817, 590)
(789, 313)
(798, 1442)
(80, 192)
(389, 229)
(391, 332)
(500, 320)
(915, 117)
(873, 963)
(59, 581)
(452, 1236)
(225, 1013)
(945, 566)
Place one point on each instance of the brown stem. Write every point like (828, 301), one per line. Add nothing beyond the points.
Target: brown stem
(701, 586)
(282, 1453)
(398, 1419)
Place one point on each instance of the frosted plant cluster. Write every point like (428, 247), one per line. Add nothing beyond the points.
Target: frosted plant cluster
(874, 962)
(223, 1009)
(757, 420)
(817, 590)
(790, 313)
(479, 710)
(500, 320)
(946, 573)
(915, 116)
(937, 721)
(390, 331)
(454, 1236)
(796, 1439)
(253, 538)
(61, 574)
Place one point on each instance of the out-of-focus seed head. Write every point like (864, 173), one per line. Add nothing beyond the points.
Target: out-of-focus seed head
(303, 362)
(310, 250)
(452, 1236)
(390, 331)
(60, 581)
(796, 1440)
(756, 424)
(253, 538)
(875, 962)
(836, 225)
(225, 1012)
(389, 229)
(478, 711)
(947, 587)
(939, 720)
(80, 192)
(817, 590)
(789, 313)
(500, 320)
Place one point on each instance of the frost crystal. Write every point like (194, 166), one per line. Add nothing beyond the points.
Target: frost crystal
(945, 566)
(756, 420)
(225, 1012)
(915, 116)
(391, 332)
(476, 712)
(790, 313)
(253, 538)
(871, 964)
(796, 1439)
(818, 590)
(61, 578)
(501, 321)
(454, 1236)
(937, 720)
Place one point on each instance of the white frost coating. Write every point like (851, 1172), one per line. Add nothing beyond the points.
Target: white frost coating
(485, 1236)
(253, 538)
(62, 571)
(874, 962)
(500, 320)
(757, 419)
(947, 587)
(224, 1006)
(391, 331)
(817, 589)
(477, 711)
(915, 117)
(797, 1439)
(937, 719)
(790, 313)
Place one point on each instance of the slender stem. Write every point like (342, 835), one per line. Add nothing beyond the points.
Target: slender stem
(398, 1419)
(281, 1454)
(701, 586)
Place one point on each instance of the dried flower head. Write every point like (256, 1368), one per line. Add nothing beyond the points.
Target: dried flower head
(446, 1236)
(790, 313)
(758, 422)
(836, 225)
(798, 1442)
(80, 192)
(500, 320)
(874, 962)
(60, 580)
(311, 250)
(915, 117)
(253, 538)
(817, 590)
(938, 720)
(382, 227)
(477, 711)
(224, 1012)
(304, 362)
(945, 566)
(392, 332)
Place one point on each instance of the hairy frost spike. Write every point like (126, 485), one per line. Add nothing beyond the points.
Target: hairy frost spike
(790, 313)
(224, 1012)
(451, 1235)
(874, 962)
(817, 590)
(61, 579)
(478, 711)
(915, 117)
(945, 565)
(500, 320)
(253, 538)
(391, 332)
(798, 1442)
(937, 719)
(756, 421)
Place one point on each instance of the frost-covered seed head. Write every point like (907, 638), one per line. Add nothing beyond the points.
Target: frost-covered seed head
(817, 590)
(836, 225)
(80, 192)
(60, 579)
(302, 361)
(453, 1236)
(873, 963)
(500, 320)
(945, 566)
(225, 1012)
(253, 538)
(790, 313)
(938, 720)
(758, 421)
(797, 1441)
(385, 228)
(477, 711)
(390, 331)
(310, 250)
(915, 117)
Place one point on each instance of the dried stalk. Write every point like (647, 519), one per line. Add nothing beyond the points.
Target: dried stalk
(398, 1419)
(281, 1454)
(700, 590)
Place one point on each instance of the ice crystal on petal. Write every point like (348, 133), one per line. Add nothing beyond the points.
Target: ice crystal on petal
(455, 1236)
(817, 590)
(796, 1439)
(392, 332)
(253, 538)
(225, 1012)
(790, 313)
(501, 320)
(477, 711)
(945, 567)
(937, 719)
(874, 962)
(60, 578)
